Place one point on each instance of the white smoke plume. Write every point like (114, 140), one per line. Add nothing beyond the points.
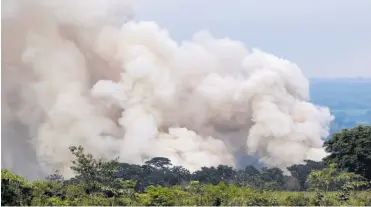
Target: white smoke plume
(85, 73)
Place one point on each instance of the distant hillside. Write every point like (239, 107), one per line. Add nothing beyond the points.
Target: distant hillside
(349, 100)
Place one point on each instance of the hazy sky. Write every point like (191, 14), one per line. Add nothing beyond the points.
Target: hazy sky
(324, 37)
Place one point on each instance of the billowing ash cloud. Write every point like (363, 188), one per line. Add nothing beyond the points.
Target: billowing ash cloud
(84, 73)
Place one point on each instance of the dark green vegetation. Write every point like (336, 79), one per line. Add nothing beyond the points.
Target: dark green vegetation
(343, 178)
(348, 99)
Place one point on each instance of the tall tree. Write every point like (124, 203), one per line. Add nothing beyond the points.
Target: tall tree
(95, 173)
(350, 150)
(330, 179)
(159, 162)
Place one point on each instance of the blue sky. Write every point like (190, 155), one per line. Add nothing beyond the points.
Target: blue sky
(326, 38)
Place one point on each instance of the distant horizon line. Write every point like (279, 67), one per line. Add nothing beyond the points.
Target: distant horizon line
(333, 78)
(367, 77)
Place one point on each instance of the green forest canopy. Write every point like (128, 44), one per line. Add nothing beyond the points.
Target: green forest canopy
(343, 178)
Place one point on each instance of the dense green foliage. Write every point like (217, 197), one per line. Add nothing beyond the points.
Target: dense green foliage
(350, 149)
(158, 183)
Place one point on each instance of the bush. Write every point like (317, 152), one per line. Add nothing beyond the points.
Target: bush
(15, 190)
(296, 199)
(160, 196)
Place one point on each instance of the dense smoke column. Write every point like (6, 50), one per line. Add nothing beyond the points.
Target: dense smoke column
(27, 80)
(85, 73)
